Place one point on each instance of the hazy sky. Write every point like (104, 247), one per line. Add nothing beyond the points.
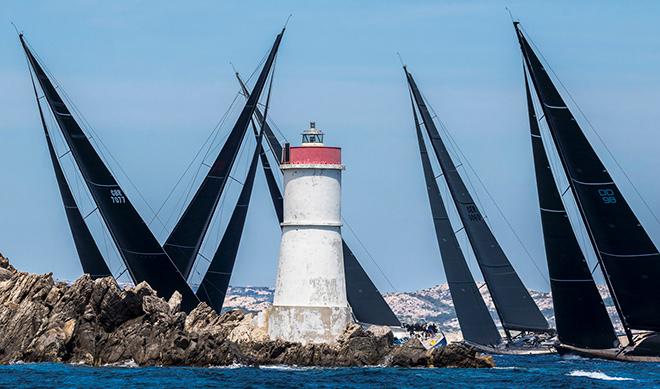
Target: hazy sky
(153, 78)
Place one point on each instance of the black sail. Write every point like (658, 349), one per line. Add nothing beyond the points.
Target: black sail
(514, 305)
(630, 260)
(580, 314)
(88, 252)
(273, 142)
(143, 255)
(367, 303)
(186, 238)
(213, 288)
(475, 321)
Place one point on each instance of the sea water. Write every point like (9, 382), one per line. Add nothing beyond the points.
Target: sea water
(511, 371)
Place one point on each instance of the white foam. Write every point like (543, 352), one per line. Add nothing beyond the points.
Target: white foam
(285, 367)
(232, 366)
(128, 363)
(597, 375)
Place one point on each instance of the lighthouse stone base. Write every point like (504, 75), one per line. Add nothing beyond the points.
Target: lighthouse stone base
(308, 324)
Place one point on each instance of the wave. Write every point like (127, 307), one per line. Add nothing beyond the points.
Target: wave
(129, 363)
(597, 375)
(232, 366)
(285, 367)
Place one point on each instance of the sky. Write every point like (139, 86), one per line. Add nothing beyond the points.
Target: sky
(154, 78)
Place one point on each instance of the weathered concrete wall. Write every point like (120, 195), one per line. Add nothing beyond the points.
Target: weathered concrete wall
(310, 304)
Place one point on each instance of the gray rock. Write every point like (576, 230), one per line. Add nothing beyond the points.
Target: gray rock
(95, 322)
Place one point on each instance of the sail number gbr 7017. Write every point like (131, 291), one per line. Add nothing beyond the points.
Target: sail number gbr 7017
(117, 196)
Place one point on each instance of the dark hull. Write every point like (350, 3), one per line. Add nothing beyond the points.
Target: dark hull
(514, 350)
(625, 354)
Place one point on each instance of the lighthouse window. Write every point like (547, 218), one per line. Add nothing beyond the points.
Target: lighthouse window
(312, 138)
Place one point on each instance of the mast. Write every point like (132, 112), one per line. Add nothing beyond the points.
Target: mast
(91, 260)
(366, 301)
(273, 142)
(143, 255)
(475, 321)
(580, 314)
(186, 238)
(515, 307)
(629, 259)
(213, 288)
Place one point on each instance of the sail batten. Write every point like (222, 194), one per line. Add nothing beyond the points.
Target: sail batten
(141, 252)
(626, 253)
(474, 319)
(580, 313)
(90, 256)
(515, 307)
(195, 220)
(215, 283)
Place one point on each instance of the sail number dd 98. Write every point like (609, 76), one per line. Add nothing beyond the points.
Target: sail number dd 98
(117, 197)
(607, 196)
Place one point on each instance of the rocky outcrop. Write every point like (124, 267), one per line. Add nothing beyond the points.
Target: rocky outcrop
(95, 322)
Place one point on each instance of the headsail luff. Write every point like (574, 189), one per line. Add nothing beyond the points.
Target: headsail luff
(580, 314)
(366, 301)
(628, 257)
(474, 319)
(143, 255)
(273, 189)
(514, 305)
(273, 142)
(88, 252)
(186, 238)
(213, 287)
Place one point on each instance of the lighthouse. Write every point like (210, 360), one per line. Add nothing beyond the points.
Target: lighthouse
(310, 304)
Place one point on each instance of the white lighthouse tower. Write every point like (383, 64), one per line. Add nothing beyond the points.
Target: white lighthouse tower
(310, 304)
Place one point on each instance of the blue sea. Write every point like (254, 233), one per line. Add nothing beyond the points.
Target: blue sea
(512, 371)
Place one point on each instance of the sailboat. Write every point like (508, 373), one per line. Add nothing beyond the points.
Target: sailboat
(515, 307)
(366, 302)
(629, 260)
(142, 254)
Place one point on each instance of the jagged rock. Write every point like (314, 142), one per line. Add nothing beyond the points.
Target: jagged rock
(411, 354)
(95, 322)
(459, 355)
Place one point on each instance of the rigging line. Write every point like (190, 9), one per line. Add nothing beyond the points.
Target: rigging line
(593, 129)
(63, 155)
(90, 212)
(490, 196)
(368, 253)
(190, 164)
(204, 257)
(457, 153)
(180, 204)
(91, 129)
(122, 273)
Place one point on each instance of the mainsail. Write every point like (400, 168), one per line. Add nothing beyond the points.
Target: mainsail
(213, 288)
(629, 259)
(367, 303)
(580, 314)
(88, 252)
(473, 317)
(143, 255)
(186, 238)
(514, 305)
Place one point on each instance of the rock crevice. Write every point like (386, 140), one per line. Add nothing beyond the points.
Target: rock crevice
(95, 322)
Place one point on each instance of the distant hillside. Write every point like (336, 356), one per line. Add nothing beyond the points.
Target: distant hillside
(432, 304)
